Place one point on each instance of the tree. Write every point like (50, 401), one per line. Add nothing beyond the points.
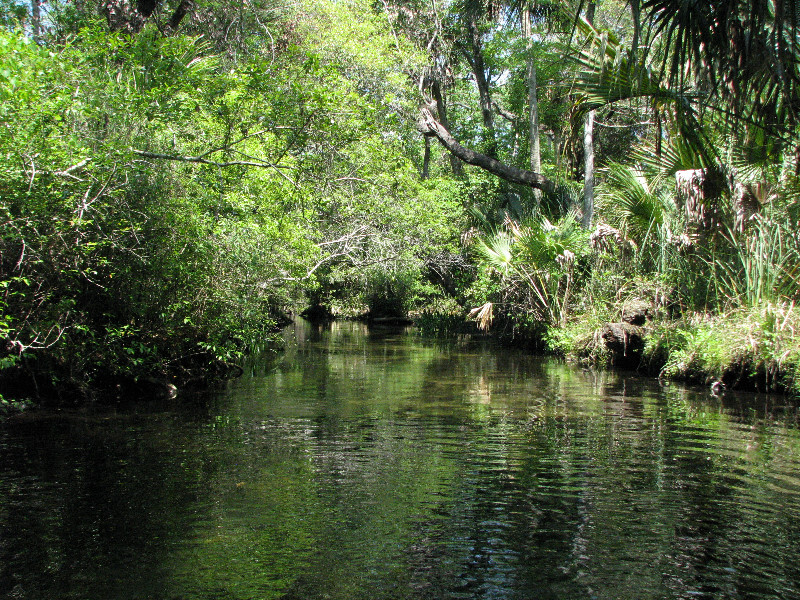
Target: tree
(422, 23)
(131, 15)
(473, 52)
(533, 102)
(745, 52)
(588, 147)
(430, 126)
(164, 203)
(36, 20)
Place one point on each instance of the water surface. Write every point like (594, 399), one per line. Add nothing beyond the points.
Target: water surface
(375, 464)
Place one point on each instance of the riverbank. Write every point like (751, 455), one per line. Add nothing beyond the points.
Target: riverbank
(755, 348)
(748, 348)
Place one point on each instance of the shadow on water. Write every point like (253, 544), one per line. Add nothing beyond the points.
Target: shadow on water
(370, 463)
(88, 505)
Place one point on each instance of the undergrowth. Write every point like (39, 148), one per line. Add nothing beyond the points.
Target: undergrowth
(756, 347)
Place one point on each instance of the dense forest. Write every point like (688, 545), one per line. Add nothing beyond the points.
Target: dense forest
(613, 181)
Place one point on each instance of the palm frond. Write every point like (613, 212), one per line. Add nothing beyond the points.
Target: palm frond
(483, 315)
(541, 242)
(625, 198)
(495, 251)
(677, 154)
(481, 220)
(745, 52)
(607, 75)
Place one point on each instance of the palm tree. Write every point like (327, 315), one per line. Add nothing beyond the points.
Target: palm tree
(536, 261)
(630, 203)
(747, 52)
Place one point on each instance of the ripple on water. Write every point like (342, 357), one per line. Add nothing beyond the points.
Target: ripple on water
(387, 467)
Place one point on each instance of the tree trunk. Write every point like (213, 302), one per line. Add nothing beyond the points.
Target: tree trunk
(183, 8)
(429, 125)
(588, 148)
(533, 103)
(698, 193)
(588, 169)
(36, 20)
(475, 59)
(426, 158)
(557, 144)
(658, 132)
(636, 14)
(441, 108)
(131, 15)
(123, 15)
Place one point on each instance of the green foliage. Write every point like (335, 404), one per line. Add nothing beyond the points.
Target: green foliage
(577, 338)
(760, 264)
(13, 14)
(443, 317)
(609, 77)
(537, 263)
(390, 292)
(167, 199)
(707, 41)
(628, 202)
(758, 346)
(164, 206)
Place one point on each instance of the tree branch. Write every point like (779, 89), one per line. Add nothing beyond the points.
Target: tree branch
(180, 12)
(232, 144)
(429, 125)
(68, 172)
(204, 161)
(507, 115)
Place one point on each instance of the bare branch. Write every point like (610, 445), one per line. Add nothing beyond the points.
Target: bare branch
(506, 114)
(229, 146)
(73, 168)
(68, 172)
(351, 179)
(348, 245)
(199, 159)
(21, 257)
(256, 162)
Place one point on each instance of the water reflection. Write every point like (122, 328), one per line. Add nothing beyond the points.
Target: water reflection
(368, 463)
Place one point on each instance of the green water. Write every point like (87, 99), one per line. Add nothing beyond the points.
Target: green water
(377, 465)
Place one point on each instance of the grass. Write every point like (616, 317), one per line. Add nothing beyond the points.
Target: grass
(763, 264)
(755, 347)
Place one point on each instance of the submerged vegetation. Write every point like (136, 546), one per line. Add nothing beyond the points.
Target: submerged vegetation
(180, 178)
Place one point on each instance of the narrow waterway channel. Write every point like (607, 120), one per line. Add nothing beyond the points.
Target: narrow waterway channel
(373, 464)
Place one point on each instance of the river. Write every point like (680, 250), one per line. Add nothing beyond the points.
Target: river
(375, 464)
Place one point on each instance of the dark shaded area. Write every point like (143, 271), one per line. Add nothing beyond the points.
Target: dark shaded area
(318, 313)
(146, 7)
(624, 342)
(89, 505)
